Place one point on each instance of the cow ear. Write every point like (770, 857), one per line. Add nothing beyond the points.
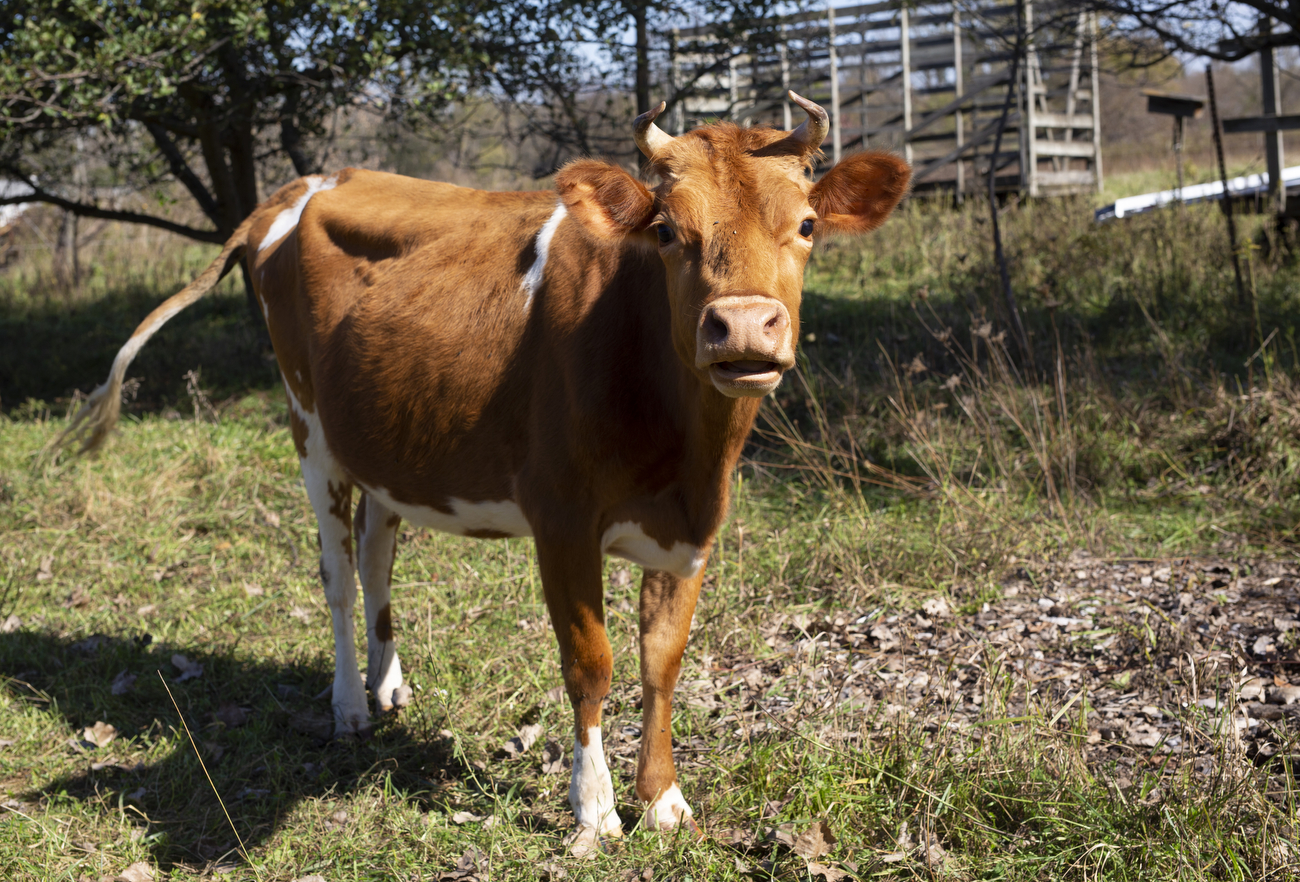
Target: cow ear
(859, 192)
(606, 200)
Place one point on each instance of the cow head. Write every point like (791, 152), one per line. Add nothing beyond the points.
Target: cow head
(733, 219)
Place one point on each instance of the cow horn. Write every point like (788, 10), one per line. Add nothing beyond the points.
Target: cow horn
(812, 131)
(649, 137)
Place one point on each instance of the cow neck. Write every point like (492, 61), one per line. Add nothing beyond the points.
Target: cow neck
(717, 434)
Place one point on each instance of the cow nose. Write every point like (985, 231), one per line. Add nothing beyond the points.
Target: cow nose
(745, 328)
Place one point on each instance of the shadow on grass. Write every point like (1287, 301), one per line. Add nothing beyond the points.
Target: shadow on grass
(49, 351)
(264, 739)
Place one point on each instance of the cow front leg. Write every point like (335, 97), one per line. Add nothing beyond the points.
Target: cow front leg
(574, 590)
(330, 493)
(375, 528)
(667, 605)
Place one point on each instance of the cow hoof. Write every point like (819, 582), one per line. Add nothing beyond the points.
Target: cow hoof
(587, 842)
(402, 696)
(670, 811)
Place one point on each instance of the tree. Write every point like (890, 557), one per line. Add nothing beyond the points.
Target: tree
(210, 94)
(1223, 30)
(575, 71)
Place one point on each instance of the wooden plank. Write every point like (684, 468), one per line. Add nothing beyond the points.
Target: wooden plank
(1045, 120)
(1085, 149)
(1066, 179)
(1261, 124)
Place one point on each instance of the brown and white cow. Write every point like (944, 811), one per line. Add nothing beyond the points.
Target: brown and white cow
(580, 366)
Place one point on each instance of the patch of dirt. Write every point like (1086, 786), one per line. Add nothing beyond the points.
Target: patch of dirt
(1169, 660)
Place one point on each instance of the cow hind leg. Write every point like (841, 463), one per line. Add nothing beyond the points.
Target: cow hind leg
(330, 493)
(574, 589)
(667, 604)
(375, 528)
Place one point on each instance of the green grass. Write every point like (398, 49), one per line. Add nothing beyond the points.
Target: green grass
(870, 488)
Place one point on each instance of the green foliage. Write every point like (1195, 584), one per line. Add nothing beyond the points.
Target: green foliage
(206, 93)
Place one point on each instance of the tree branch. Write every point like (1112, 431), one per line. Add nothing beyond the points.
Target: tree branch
(181, 169)
(130, 217)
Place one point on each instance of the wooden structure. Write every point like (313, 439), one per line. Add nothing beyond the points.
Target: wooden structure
(928, 79)
(1272, 123)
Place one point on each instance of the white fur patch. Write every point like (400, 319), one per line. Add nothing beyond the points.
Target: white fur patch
(669, 810)
(502, 516)
(287, 219)
(533, 279)
(627, 540)
(591, 789)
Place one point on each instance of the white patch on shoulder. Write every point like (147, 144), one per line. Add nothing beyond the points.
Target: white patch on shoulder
(669, 810)
(591, 789)
(627, 540)
(502, 516)
(287, 219)
(533, 278)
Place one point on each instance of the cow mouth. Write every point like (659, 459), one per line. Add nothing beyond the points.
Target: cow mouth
(745, 378)
(739, 369)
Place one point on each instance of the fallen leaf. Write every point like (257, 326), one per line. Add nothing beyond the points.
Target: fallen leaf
(90, 645)
(300, 614)
(552, 758)
(937, 607)
(519, 745)
(137, 872)
(190, 670)
(137, 794)
(466, 818)
(312, 878)
(123, 683)
(6, 742)
(315, 725)
(555, 694)
(814, 842)
(99, 734)
(76, 599)
(11, 624)
(252, 589)
(830, 874)
(45, 572)
(147, 609)
(222, 546)
(231, 715)
(1263, 645)
(469, 866)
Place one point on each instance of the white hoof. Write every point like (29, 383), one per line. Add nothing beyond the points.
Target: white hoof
(585, 841)
(668, 811)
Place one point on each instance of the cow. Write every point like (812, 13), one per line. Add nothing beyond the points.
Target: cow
(581, 366)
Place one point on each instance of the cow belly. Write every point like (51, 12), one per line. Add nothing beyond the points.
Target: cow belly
(627, 540)
(492, 519)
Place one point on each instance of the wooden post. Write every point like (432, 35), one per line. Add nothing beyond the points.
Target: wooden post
(905, 39)
(835, 85)
(959, 88)
(1271, 92)
(1096, 105)
(862, 88)
(1223, 175)
(1029, 127)
(784, 52)
(674, 78)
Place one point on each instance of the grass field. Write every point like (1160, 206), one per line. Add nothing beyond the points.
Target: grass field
(917, 457)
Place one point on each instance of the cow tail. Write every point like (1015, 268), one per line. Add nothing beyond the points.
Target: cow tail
(96, 418)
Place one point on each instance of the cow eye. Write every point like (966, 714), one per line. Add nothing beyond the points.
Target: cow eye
(806, 228)
(666, 234)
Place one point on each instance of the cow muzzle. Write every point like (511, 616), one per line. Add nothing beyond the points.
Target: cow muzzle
(745, 343)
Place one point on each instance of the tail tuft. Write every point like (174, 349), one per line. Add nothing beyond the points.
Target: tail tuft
(96, 418)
